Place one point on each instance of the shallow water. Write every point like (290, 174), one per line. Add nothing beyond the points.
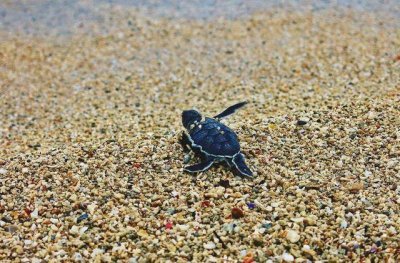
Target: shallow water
(65, 16)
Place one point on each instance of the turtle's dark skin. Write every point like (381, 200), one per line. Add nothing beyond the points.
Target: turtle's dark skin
(213, 140)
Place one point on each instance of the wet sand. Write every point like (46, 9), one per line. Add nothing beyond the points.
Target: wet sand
(91, 167)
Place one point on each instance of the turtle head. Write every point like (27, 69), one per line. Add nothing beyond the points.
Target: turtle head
(190, 117)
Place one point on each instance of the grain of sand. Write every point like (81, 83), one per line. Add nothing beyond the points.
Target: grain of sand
(90, 160)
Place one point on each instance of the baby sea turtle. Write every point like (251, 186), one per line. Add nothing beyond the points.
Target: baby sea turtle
(213, 140)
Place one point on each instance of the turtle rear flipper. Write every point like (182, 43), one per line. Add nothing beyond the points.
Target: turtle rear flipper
(230, 110)
(200, 167)
(241, 166)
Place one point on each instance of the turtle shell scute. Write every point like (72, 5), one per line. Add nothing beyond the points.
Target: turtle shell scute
(215, 138)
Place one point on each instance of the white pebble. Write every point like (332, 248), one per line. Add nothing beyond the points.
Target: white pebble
(212, 259)
(136, 190)
(297, 219)
(35, 213)
(78, 257)
(83, 230)
(96, 252)
(293, 236)
(209, 245)
(392, 230)
(91, 208)
(114, 211)
(28, 242)
(183, 227)
(74, 230)
(391, 163)
(287, 257)
(275, 204)
(261, 230)
(367, 173)
(371, 115)
(60, 253)
(3, 171)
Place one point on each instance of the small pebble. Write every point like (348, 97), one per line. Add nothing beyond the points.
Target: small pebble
(82, 217)
(183, 227)
(11, 229)
(292, 236)
(301, 122)
(356, 187)
(237, 213)
(266, 225)
(28, 242)
(206, 203)
(169, 225)
(287, 257)
(251, 205)
(78, 257)
(209, 245)
(83, 229)
(186, 159)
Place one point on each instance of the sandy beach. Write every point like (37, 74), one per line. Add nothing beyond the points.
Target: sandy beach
(91, 165)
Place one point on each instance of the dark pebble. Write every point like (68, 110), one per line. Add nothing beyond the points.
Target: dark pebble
(82, 217)
(11, 229)
(237, 213)
(353, 136)
(251, 205)
(301, 122)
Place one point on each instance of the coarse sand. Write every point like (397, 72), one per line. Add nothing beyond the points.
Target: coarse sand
(91, 167)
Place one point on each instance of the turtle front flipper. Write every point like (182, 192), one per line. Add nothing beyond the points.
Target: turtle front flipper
(200, 167)
(185, 142)
(241, 166)
(230, 110)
